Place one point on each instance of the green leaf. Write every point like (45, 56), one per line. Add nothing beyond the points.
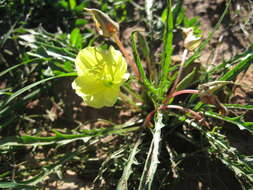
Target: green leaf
(67, 66)
(63, 3)
(239, 106)
(178, 13)
(80, 22)
(21, 91)
(186, 81)
(226, 65)
(143, 46)
(122, 184)
(152, 161)
(72, 4)
(6, 185)
(167, 52)
(243, 65)
(76, 38)
(61, 138)
(236, 121)
(44, 44)
(18, 65)
(137, 59)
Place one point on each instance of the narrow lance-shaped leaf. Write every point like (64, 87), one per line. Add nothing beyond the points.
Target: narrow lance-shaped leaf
(148, 57)
(234, 72)
(21, 91)
(76, 38)
(60, 138)
(239, 106)
(123, 182)
(137, 59)
(236, 121)
(221, 148)
(238, 58)
(168, 49)
(20, 64)
(152, 161)
(187, 80)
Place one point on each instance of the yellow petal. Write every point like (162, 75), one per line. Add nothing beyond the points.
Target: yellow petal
(100, 74)
(95, 93)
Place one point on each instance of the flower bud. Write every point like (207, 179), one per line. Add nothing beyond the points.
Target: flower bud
(105, 25)
(191, 41)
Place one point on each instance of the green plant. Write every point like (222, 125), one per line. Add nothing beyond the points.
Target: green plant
(147, 158)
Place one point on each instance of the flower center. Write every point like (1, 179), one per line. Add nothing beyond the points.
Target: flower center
(108, 83)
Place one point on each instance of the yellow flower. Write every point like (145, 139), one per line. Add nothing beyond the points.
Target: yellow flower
(100, 75)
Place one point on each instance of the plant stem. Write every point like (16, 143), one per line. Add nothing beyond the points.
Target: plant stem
(172, 91)
(186, 91)
(126, 99)
(194, 115)
(123, 50)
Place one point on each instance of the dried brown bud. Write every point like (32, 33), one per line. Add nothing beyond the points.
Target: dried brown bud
(105, 25)
(191, 41)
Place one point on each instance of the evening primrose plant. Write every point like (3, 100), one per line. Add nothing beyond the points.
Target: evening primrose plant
(172, 116)
(163, 92)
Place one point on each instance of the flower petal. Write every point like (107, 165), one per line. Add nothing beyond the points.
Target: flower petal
(100, 74)
(95, 93)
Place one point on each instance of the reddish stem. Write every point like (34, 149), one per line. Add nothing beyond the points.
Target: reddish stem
(129, 60)
(148, 118)
(194, 115)
(180, 71)
(187, 91)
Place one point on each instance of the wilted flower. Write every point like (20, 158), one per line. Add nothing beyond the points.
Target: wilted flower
(100, 75)
(191, 41)
(105, 25)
